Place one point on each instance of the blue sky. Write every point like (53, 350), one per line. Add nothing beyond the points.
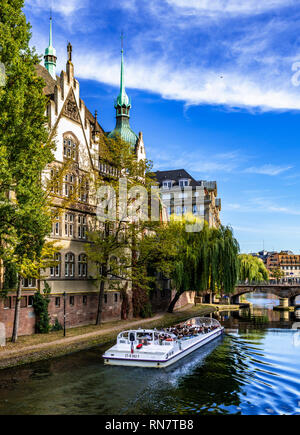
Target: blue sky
(215, 90)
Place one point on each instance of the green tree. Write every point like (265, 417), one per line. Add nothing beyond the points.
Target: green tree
(277, 273)
(252, 269)
(24, 148)
(124, 247)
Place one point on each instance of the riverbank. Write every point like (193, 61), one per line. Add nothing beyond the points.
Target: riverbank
(39, 347)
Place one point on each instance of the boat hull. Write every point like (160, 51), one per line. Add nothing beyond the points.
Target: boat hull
(134, 361)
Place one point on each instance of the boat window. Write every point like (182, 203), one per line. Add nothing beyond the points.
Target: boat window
(125, 335)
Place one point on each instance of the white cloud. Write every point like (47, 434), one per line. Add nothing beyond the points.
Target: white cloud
(269, 169)
(189, 84)
(212, 7)
(64, 7)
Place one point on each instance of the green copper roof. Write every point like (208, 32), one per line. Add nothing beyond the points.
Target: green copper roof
(123, 99)
(125, 132)
(50, 55)
(122, 106)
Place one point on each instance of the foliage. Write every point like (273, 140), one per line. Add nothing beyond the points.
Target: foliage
(206, 259)
(40, 305)
(277, 273)
(10, 276)
(24, 148)
(57, 326)
(124, 247)
(252, 269)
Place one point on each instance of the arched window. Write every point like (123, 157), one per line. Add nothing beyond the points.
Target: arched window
(55, 268)
(82, 265)
(69, 265)
(70, 147)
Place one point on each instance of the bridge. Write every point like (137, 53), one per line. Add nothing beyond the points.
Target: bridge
(287, 293)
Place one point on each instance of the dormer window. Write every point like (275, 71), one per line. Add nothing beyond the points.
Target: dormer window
(70, 148)
(184, 183)
(167, 184)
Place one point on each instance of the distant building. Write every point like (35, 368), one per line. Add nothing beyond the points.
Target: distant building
(182, 194)
(287, 261)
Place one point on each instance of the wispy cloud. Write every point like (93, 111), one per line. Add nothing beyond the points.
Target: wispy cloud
(65, 7)
(230, 6)
(269, 169)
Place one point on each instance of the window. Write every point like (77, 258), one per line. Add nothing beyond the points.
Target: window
(29, 283)
(56, 227)
(178, 210)
(7, 303)
(83, 190)
(70, 148)
(57, 302)
(69, 185)
(72, 299)
(69, 225)
(69, 265)
(105, 299)
(23, 301)
(167, 184)
(56, 267)
(183, 183)
(82, 227)
(116, 297)
(82, 265)
(195, 209)
(30, 301)
(84, 300)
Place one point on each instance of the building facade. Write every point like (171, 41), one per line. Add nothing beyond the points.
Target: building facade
(182, 194)
(77, 135)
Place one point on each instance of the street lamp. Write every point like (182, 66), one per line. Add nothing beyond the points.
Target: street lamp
(65, 296)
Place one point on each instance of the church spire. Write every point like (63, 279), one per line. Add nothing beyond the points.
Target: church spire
(123, 99)
(123, 106)
(50, 54)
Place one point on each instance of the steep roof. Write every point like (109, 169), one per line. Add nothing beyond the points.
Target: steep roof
(49, 91)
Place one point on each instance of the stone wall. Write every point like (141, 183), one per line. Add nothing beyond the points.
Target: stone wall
(161, 299)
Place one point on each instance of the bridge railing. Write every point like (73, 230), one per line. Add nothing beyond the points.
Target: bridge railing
(271, 282)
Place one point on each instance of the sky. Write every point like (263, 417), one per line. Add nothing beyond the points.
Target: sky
(214, 87)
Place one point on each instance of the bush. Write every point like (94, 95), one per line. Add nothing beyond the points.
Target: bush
(40, 305)
(57, 326)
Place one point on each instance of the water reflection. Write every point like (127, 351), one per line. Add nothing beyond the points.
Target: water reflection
(252, 370)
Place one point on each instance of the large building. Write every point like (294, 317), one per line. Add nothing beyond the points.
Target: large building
(182, 194)
(76, 133)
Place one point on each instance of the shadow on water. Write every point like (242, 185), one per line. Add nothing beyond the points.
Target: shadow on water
(252, 370)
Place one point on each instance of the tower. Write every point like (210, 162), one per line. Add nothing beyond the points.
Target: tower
(123, 106)
(50, 55)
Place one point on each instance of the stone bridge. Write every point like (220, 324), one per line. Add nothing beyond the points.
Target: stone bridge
(287, 293)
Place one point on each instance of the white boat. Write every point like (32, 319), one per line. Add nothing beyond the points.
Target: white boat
(161, 348)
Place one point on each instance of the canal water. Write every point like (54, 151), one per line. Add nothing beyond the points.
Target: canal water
(253, 369)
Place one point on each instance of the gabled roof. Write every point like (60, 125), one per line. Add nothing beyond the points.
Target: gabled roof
(49, 91)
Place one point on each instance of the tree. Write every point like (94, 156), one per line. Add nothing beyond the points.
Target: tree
(206, 260)
(252, 269)
(277, 273)
(124, 244)
(24, 148)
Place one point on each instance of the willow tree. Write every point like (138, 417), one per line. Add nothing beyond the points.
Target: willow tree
(206, 260)
(252, 269)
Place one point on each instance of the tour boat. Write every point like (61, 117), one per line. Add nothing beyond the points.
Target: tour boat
(161, 348)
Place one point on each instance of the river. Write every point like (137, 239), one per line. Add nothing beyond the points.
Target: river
(253, 369)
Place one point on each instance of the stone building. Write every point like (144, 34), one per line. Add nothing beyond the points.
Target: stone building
(182, 194)
(76, 133)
